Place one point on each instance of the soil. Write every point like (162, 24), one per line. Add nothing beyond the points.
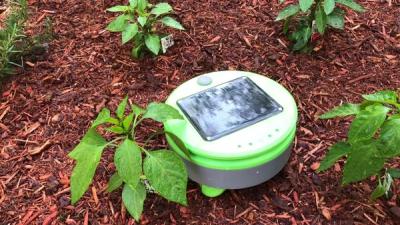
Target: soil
(52, 102)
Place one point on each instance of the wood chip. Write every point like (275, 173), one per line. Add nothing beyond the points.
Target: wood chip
(39, 149)
(326, 213)
(32, 128)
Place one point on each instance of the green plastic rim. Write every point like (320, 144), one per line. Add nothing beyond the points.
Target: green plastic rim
(238, 164)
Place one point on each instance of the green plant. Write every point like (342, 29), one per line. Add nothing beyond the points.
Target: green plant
(163, 169)
(373, 139)
(311, 14)
(11, 33)
(138, 21)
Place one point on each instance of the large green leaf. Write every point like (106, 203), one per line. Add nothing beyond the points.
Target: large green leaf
(390, 135)
(102, 117)
(336, 20)
(128, 161)
(329, 6)
(118, 8)
(87, 155)
(129, 32)
(161, 112)
(367, 122)
(320, 19)
(167, 175)
(346, 109)
(161, 8)
(336, 152)
(119, 24)
(305, 4)
(362, 162)
(288, 12)
(114, 182)
(352, 5)
(133, 199)
(121, 108)
(386, 96)
(152, 42)
(171, 22)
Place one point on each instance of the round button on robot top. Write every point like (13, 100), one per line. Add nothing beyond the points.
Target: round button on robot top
(204, 80)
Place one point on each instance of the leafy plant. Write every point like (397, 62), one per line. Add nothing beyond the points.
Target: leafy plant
(11, 32)
(162, 169)
(137, 23)
(314, 16)
(373, 139)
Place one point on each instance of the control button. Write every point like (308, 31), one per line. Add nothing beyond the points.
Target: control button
(204, 80)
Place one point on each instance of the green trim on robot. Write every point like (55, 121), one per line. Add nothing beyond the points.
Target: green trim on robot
(238, 164)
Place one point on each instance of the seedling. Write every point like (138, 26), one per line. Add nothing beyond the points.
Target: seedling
(312, 18)
(373, 139)
(162, 169)
(138, 21)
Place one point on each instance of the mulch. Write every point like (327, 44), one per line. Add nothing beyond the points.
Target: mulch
(48, 107)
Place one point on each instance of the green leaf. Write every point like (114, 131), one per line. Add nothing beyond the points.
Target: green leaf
(114, 183)
(346, 109)
(352, 5)
(305, 4)
(386, 96)
(142, 5)
(116, 129)
(288, 12)
(167, 175)
(335, 20)
(161, 112)
(152, 42)
(378, 192)
(133, 199)
(87, 155)
(133, 4)
(128, 121)
(118, 8)
(137, 110)
(367, 122)
(336, 152)
(362, 162)
(137, 51)
(390, 136)
(161, 8)
(320, 19)
(102, 117)
(113, 120)
(142, 20)
(128, 161)
(178, 143)
(121, 108)
(171, 22)
(119, 24)
(329, 6)
(394, 172)
(129, 32)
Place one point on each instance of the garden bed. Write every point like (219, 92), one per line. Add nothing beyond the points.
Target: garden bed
(52, 102)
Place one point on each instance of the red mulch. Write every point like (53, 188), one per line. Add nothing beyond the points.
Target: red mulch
(86, 68)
